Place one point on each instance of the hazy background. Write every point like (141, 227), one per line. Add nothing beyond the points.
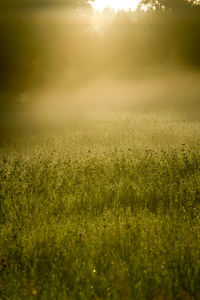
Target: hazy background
(59, 58)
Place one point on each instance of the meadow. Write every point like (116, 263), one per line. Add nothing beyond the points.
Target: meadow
(99, 149)
(106, 206)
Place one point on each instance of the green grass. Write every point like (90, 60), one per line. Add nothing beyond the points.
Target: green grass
(106, 207)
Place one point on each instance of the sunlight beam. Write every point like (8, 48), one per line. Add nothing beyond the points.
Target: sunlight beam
(116, 5)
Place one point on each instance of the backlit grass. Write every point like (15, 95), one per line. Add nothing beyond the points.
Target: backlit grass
(106, 207)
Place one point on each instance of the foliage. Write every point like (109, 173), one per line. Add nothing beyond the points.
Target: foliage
(13, 4)
(175, 6)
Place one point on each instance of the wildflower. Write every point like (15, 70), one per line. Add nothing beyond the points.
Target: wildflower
(34, 292)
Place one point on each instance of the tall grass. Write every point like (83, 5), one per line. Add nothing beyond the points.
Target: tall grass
(107, 207)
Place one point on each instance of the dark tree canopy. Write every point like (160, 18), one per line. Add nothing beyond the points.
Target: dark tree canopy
(42, 3)
(173, 6)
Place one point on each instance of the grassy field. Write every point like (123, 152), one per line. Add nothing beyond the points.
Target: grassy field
(105, 207)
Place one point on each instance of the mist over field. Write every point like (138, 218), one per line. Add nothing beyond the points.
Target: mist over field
(100, 149)
(72, 57)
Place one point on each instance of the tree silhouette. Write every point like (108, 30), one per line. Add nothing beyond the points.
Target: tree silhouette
(174, 6)
(13, 4)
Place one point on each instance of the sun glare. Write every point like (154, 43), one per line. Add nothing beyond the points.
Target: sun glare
(116, 5)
